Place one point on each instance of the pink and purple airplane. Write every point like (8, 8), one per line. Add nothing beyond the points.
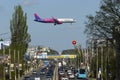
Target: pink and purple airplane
(55, 21)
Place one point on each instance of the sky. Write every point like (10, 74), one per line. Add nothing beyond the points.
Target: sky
(57, 37)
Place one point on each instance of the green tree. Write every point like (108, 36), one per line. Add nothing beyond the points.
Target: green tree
(20, 38)
(1, 39)
(18, 27)
(106, 24)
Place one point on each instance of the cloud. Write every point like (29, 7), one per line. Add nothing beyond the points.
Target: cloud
(29, 2)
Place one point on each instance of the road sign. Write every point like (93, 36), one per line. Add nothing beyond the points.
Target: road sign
(74, 42)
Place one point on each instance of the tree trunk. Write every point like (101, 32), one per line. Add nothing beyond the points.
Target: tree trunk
(117, 59)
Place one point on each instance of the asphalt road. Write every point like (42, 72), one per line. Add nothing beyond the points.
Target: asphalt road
(54, 77)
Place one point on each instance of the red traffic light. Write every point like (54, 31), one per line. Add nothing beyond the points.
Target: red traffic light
(74, 42)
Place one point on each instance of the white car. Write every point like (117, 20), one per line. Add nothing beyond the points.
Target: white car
(69, 72)
(65, 78)
(71, 76)
(37, 78)
(34, 72)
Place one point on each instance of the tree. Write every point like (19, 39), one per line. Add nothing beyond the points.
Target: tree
(1, 39)
(18, 27)
(106, 24)
(20, 38)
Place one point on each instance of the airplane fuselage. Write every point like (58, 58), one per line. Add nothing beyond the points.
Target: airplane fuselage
(66, 20)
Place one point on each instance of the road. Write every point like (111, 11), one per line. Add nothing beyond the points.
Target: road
(55, 75)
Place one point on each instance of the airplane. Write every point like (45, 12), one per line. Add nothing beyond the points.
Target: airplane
(55, 21)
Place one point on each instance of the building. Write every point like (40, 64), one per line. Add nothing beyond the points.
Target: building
(4, 44)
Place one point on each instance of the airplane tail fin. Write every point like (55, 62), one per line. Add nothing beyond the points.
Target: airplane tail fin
(37, 18)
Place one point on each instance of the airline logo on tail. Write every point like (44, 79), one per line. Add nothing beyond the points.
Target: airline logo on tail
(53, 20)
(37, 18)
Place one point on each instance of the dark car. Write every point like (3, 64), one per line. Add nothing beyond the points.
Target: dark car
(34, 73)
(26, 78)
(48, 74)
(42, 71)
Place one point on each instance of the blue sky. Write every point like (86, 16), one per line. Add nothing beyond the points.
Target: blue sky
(57, 37)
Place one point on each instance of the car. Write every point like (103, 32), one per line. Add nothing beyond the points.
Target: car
(48, 75)
(71, 76)
(82, 74)
(73, 69)
(26, 78)
(42, 71)
(37, 78)
(61, 73)
(48, 79)
(65, 78)
(66, 68)
(69, 72)
(34, 72)
(50, 71)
